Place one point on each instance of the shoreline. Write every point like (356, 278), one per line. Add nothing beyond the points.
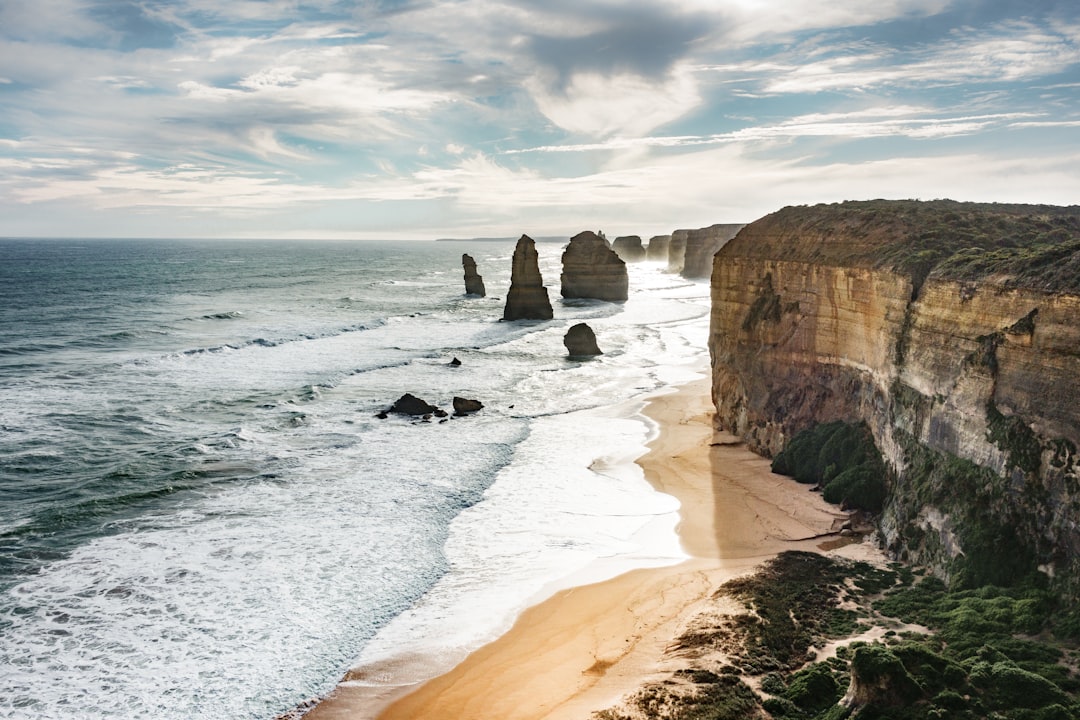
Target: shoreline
(585, 648)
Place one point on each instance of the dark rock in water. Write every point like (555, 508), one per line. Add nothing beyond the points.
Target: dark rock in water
(658, 248)
(474, 284)
(464, 406)
(581, 340)
(591, 269)
(528, 298)
(439, 413)
(382, 415)
(454, 363)
(629, 248)
(409, 404)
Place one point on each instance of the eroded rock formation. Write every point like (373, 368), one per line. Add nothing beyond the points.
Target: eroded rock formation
(676, 256)
(658, 248)
(953, 331)
(591, 269)
(527, 298)
(474, 284)
(629, 248)
(580, 340)
(701, 245)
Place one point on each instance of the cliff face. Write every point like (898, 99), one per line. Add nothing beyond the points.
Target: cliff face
(932, 323)
(527, 298)
(591, 269)
(629, 248)
(702, 244)
(676, 257)
(658, 248)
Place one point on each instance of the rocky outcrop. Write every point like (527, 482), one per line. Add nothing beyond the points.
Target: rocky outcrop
(953, 331)
(409, 404)
(676, 257)
(591, 269)
(580, 340)
(466, 406)
(658, 248)
(701, 245)
(629, 248)
(474, 284)
(527, 298)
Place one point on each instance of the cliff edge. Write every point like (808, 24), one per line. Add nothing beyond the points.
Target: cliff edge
(953, 331)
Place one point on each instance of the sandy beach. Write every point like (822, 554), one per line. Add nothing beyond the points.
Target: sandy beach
(585, 648)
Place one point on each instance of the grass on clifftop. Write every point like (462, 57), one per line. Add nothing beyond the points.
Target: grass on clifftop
(1035, 246)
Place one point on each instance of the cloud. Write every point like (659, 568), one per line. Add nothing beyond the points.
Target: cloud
(602, 105)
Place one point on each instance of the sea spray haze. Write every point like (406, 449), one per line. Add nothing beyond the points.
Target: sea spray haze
(200, 514)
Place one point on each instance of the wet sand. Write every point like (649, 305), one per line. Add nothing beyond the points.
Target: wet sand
(585, 648)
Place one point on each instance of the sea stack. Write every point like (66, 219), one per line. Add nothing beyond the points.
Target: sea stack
(580, 340)
(527, 298)
(591, 269)
(474, 284)
(658, 248)
(702, 244)
(676, 257)
(629, 248)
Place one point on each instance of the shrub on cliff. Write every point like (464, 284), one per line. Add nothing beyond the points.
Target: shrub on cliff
(842, 459)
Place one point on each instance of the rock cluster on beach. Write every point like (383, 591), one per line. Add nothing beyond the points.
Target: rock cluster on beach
(474, 284)
(527, 298)
(409, 404)
(580, 340)
(591, 269)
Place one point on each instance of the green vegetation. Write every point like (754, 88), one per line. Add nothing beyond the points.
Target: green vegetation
(842, 459)
(1035, 246)
(990, 652)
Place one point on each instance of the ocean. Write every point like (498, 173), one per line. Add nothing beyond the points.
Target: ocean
(201, 514)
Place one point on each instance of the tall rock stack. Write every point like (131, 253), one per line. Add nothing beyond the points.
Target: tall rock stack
(658, 248)
(702, 244)
(629, 248)
(527, 298)
(677, 251)
(591, 269)
(474, 284)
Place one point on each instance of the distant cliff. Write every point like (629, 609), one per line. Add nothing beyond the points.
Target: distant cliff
(701, 245)
(953, 331)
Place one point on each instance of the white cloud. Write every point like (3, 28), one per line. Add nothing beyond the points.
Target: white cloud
(624, 104)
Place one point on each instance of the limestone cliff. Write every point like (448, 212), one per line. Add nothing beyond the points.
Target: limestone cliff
(702, 244)
(676, 256)
(527, 298)
(629, 248)
(658, 248)
(591, 269)
(953, 331)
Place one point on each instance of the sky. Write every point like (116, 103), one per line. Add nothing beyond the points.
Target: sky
(469, 118)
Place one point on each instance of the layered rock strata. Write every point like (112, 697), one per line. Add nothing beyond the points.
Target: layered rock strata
(676, 257)
(591, 269)
(474, 284)
(953, 331)
(527, 298)
(658, 248)
(702, 244)
(580, 341)
(629, 248)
